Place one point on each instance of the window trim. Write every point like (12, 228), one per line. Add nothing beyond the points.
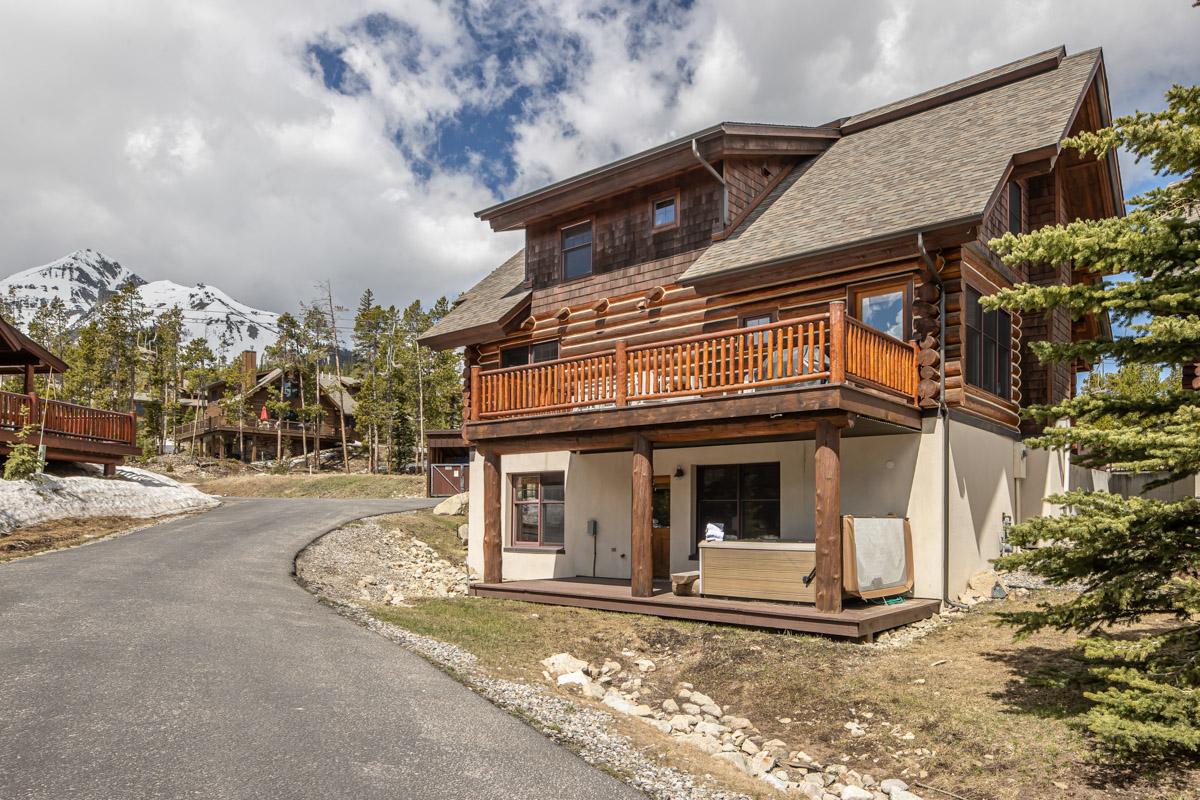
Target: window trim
(966, 355)
(771, 312)
(856, 292)
(528, 348)
(654, 201)
(697, 499)
(562, 261)
(541, 545)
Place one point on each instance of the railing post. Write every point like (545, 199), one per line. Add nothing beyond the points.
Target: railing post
(34, 412)
(837, 341)
(621, 373)
(475, 384)
(914, 373)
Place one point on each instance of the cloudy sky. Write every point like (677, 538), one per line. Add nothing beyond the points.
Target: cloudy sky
(264, 145)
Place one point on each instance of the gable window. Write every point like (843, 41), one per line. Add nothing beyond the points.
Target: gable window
(538, 519)
(577, 250)
(1014, 208)
(884, 307)
(665, 211)
(741, 498)
(529, 354)
(989, 347)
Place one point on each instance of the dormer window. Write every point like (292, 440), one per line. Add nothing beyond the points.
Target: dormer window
(577, 250)
(665, 212)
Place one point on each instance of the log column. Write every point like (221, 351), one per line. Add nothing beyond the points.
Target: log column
(827, 461)
(492, 550)
(641, 571)
(28, 380)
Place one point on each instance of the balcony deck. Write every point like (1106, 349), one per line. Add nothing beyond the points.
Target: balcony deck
(859, 621)
(70, 432)
(820, 363)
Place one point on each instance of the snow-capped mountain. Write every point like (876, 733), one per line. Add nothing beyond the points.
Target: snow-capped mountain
(85, 278)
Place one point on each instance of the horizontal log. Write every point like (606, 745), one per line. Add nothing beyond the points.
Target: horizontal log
(929, 342)
(928, 373)
(924, 325)
(923, 309)
(928, 292)
(927, 389)
(928, 357)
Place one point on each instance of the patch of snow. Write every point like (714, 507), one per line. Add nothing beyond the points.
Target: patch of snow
(140, 494)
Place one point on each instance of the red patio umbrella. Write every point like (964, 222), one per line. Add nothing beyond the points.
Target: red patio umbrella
(262, 415)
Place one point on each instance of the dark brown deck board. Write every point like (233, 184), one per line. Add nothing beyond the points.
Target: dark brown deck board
(856, 621)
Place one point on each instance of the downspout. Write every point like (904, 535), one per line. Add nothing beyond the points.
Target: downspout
(943, 415)
(721, 179)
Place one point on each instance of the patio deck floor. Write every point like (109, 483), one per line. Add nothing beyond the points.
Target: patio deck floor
(858, 620)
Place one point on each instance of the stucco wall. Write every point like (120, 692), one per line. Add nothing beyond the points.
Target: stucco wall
(881, 475)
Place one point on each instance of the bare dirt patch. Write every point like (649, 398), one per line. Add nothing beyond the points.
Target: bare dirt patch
(61, 533)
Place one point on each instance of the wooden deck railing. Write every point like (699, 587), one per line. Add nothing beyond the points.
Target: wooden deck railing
(254, 425)
(66, 419)
(820, 348)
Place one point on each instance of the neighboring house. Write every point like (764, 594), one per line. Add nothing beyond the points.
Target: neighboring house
(69, 432)
(448, 459)
(261, 430)
(765, 328)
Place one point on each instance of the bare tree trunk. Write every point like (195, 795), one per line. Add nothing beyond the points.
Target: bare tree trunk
(320, 419)
(304, 425)
(337, 365)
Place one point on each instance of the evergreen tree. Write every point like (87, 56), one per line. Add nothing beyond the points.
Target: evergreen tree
(1134, 557)
(198, 366)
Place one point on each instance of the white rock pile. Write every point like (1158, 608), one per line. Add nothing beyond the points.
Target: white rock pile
(695, 720)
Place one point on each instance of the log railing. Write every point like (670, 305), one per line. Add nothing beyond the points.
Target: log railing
(66, 419)
(880, 359)
(826, 347)
(254, 425)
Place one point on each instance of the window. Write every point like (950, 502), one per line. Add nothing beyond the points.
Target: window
(989, 347)
(577, 250)
(754, 320)
(538, 510)
(742, 498)
(665, 211)
(884, 308)
(529, 354)
(1014, 208)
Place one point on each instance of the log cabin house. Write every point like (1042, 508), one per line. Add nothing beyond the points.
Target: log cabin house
(770, 331)
(69, 432)
(262, 430)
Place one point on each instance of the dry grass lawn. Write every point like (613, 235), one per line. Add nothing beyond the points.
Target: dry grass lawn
(989, 717)
(332, 486)
(61, 533)
(439, 532)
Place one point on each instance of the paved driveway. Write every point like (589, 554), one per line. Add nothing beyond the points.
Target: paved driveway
(183, 661)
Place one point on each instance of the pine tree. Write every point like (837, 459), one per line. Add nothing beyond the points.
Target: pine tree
(1135, 557)
(198, 365)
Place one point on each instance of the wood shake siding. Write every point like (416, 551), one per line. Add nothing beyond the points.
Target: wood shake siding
(622, 229)
(748, 178)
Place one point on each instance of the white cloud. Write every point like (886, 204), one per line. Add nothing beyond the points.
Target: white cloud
(193, 140)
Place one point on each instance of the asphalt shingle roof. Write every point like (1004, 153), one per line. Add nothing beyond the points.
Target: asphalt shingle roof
(488, 302)
(933, 167)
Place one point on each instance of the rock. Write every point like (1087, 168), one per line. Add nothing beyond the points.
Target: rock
(856, 793)
(452, 506)
(981, 583)
(670, 706)
(640, 711)
(778, 783)
(749, 747)
(684, 694)
(610, 668)
(811, 791)
(903, 794)
(660, 725)
(761, 762)
(734, 758)
(645, 665)
(681, 722)
(616, 702)
(691, 708)
(738, 723)
(892, 784)
(699, 742)
(593, 690)
(464, 532)
(709, 729)
(712, 710)
(701, 699)
(576, 678)
(562, 663)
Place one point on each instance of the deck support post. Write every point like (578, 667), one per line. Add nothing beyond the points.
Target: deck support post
(641, 569)
(837, 341)
(493, 571)
(828, 479)
(28, 380)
